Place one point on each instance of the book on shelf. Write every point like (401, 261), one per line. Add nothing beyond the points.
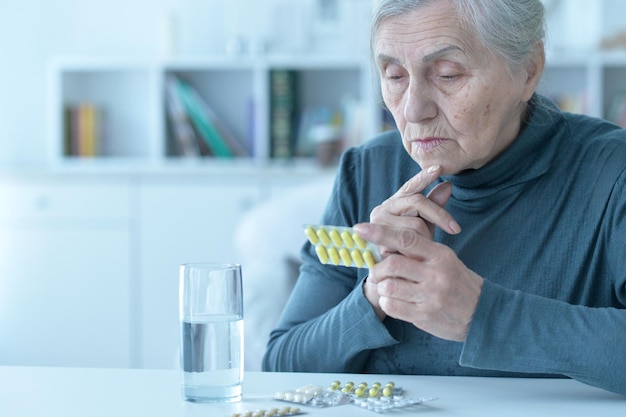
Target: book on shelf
(196, 126)
(283, 110)
(183, 132)
(83, 130)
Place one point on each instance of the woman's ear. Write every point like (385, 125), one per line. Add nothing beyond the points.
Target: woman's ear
(534, 69)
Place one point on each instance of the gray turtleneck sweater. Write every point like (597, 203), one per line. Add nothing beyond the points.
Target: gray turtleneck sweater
(544, 224)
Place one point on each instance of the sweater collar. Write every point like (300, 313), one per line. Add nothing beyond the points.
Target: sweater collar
(527, 158)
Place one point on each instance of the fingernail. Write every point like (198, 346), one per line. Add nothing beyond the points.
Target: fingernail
(361, 228)
(455, 227)
(433, 169)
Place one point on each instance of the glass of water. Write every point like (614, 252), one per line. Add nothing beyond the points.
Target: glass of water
(211, 332)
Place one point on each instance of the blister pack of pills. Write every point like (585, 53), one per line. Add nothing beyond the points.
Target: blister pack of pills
(377, 398)
(313, 395)
(272, 412)
(337, 245)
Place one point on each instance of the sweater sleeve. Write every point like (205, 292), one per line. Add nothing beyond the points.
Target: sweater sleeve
(328, 325)
(515, 331)
(321, 331)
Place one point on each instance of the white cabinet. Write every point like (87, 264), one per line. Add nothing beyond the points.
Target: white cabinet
(181, 220)
(65, 282)
(89, 264)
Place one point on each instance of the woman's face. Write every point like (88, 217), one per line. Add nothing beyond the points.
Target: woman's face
(455, 104)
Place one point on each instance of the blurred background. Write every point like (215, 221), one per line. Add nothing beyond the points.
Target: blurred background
(109, 178)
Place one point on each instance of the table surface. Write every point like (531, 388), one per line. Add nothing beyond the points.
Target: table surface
(94, 392)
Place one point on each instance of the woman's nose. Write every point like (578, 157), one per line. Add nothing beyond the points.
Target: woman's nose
(419, 105)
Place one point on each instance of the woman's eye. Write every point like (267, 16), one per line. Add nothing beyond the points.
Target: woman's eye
(392, 72)
(393, 75)
(449, 77)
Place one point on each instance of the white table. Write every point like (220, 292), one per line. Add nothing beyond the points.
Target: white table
(73, 392)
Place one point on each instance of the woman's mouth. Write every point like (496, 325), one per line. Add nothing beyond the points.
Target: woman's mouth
(428, 144)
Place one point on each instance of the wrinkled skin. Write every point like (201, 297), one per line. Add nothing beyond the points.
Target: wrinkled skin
(457, 107)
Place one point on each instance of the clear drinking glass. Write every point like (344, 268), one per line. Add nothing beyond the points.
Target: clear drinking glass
(211, 332)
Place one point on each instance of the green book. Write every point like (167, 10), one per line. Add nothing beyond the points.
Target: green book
(195, 110)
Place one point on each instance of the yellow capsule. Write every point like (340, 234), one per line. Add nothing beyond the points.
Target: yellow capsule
(357, 258)
(321, 233)
(374, 391)
(321, 254)
(310, 233)
(360, 392)
(345, 256)
(335, 259)
(335, 385)
(369, 259)
(359, 241)
(390, 384)
(388, 391)
(347, 239)
(347, 389)
(334, 236)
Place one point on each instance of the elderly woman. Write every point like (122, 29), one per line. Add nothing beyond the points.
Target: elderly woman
(501, 219)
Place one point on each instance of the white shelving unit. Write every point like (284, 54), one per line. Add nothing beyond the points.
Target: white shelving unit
(132, 96)
(137, 135)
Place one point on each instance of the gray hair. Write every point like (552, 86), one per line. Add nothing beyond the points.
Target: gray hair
(507, 28)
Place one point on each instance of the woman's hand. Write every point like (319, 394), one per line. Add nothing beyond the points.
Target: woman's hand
(423, 282)
(409, 208)
(420, 281)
